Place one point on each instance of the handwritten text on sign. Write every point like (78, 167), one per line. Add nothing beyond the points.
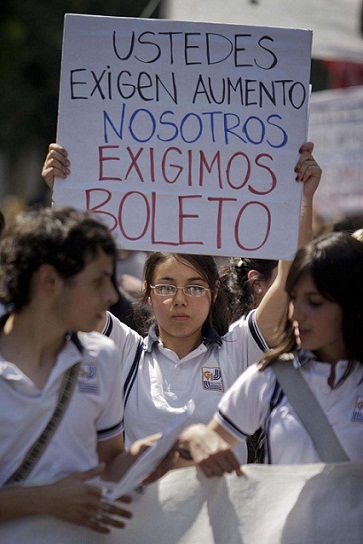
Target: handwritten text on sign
(184, 136)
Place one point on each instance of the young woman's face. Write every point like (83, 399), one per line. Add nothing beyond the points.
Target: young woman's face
(319, 321)
(86, 297)
(179, 316)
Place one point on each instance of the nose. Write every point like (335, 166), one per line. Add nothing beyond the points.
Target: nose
(111, 294)
(179, 297)
(295, 311)
(291, 311)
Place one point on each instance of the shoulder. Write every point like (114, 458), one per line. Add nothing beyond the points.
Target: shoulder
(95, 341)
(238, 322)
(247, 326)
(123, 336)
(253, 384)
(244, 344)
(100, 360)
(96, 345)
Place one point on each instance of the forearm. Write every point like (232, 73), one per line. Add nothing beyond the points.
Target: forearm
(306, 221)
(118, 467)
(271, 314)
(272, 311)
(20, 502)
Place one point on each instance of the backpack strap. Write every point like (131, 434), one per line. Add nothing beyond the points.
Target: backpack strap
(38, 447)
(309, 410)
(129, 382)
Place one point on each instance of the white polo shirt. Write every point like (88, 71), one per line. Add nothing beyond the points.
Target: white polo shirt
(164, 383)
(246, 407)
(94, 412)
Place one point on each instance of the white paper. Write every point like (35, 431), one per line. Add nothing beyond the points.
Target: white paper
(150, 459)
(271, 504)
(185, 140)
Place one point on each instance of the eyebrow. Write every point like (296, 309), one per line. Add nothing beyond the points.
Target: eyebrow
(308, 293)
(188, 280)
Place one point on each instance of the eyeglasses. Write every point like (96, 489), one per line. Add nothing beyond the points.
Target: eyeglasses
(166, 290)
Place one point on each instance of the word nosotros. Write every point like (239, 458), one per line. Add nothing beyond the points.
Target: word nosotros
(142, 125)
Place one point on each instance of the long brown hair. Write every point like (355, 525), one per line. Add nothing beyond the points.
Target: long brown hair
(335, 263)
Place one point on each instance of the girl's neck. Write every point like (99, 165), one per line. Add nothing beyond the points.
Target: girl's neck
(181, 346)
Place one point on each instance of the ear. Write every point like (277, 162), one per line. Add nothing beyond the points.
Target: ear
(252, 275)
(254, 282)
(144, 285)
(46, 278)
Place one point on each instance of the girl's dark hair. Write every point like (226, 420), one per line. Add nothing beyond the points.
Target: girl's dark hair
(335, 263)
(237, 286)
(63, 237)
(219, 315)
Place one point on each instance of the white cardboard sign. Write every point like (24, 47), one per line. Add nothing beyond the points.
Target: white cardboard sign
(183, 136)
(272, 504)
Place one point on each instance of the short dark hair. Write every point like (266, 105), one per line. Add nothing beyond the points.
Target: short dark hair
(63, 237)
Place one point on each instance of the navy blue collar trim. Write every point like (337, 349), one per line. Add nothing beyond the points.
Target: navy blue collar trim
(211, 336)
(303, 356)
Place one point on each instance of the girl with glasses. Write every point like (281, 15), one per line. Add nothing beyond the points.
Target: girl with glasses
(189, 352)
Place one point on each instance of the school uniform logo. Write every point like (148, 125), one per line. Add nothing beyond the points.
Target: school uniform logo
(212, 379)
(358, 410)
(88, 379)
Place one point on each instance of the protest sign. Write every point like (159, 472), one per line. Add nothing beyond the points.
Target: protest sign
(336, 127)
(183, 136)
(272, 504)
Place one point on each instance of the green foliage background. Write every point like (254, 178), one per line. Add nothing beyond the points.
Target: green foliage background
(30, 56)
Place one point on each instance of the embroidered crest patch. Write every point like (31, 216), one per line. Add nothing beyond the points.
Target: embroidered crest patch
(88, 379)
(212, 378)
(358, 410)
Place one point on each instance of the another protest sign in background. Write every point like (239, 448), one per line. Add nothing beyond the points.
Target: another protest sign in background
(336, 127)
(184, 136)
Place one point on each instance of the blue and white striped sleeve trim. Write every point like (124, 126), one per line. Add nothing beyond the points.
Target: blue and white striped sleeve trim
(229, 426)
(105, 434)
(254, 330)
(107, 329)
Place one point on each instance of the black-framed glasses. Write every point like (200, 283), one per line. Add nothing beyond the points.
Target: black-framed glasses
(166, 290)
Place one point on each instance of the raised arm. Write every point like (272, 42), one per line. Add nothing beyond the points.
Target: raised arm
(272, 311)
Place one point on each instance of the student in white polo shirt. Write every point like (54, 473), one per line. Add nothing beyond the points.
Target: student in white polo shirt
(189, 352)
(323, 341)
(60, 392)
